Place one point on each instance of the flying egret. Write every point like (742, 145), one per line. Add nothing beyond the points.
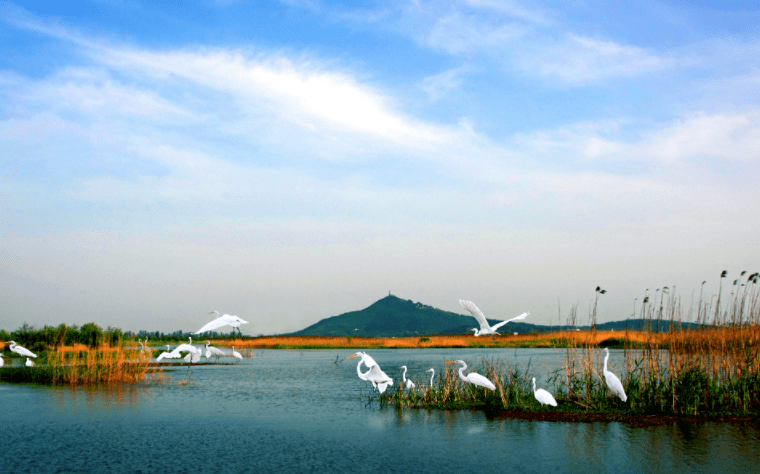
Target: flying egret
(473, 377)
(378, 378)
(225, 320)
(236, 354)
(543, 397)
(211, 350)
(22, 351)
(485, 328)
(431, 376)
(29, 362)
(409, 383)
(612, 381)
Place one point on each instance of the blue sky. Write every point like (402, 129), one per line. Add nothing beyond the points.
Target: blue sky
(292, 160)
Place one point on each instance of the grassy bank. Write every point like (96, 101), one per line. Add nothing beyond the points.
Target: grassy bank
(710, 371)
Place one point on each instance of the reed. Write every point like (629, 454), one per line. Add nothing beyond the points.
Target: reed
(712, 370)
(84, 365)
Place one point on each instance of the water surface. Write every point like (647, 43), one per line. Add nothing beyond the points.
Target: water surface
(290, 410)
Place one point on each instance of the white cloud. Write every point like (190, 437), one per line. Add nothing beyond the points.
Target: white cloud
(580, 61)
(441, 84)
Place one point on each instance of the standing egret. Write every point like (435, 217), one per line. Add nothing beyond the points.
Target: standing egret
(236, 354)
(225, 320)
(378, 378)
(29, 362)
(612, 381)
(543, 397)
(485, 328)
(193, 357)
(22, 351)
(359, 372)
(409, 383)
(211, 350)
(431, 376)
(2, 362)
(473, 377)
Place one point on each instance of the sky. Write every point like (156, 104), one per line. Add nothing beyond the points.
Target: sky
(287, 161)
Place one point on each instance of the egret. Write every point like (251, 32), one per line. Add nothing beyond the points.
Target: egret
(236, 354)
(193, 357)
(167, 355)
(612, 381)
(22, 351)
(378, 378)
(225, 320)
(431, 376)
(211, 350)
(473, 377)
(409, 383)
(2, 362)
(185, 347)
(361, 375)
(543, 397)
(29, 362)
(485, 328)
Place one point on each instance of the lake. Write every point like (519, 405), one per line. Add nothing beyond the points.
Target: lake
(299, 411)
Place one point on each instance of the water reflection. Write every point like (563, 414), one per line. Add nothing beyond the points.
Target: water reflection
(289, 411)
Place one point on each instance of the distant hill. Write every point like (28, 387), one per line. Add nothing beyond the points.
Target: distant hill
(395, 317)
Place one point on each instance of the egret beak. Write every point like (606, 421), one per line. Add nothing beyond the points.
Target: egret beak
(451, 362)
(428, 370)
(352, 356)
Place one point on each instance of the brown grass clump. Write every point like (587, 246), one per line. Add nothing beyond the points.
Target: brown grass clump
(104, 364)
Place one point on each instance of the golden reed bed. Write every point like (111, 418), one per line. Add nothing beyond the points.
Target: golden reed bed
(457, 340)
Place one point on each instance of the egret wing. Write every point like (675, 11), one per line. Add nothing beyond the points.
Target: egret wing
(475, 311)
(522, 316)
(477, 379)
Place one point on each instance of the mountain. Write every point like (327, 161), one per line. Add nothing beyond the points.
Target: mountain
(395, 317)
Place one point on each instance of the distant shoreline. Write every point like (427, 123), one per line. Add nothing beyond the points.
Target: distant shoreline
(558, 340)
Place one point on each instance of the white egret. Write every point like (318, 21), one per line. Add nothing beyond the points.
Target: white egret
(473, 377)
(225, 320)
(22, 351)
(29, 362)
(211, 350)
(409, 383)
(612, 381)
(378, 378)
(236, 354)
(2, 361)
(167, 355)
(185, 347)
(543, 397)
(431, 376)
(193, 357)
(485, 328)
(361, 375)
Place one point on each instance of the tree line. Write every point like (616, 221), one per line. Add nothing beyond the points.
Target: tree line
(91, 335)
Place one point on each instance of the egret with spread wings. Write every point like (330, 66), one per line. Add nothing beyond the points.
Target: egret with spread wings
(225, 320)
(485, 328)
